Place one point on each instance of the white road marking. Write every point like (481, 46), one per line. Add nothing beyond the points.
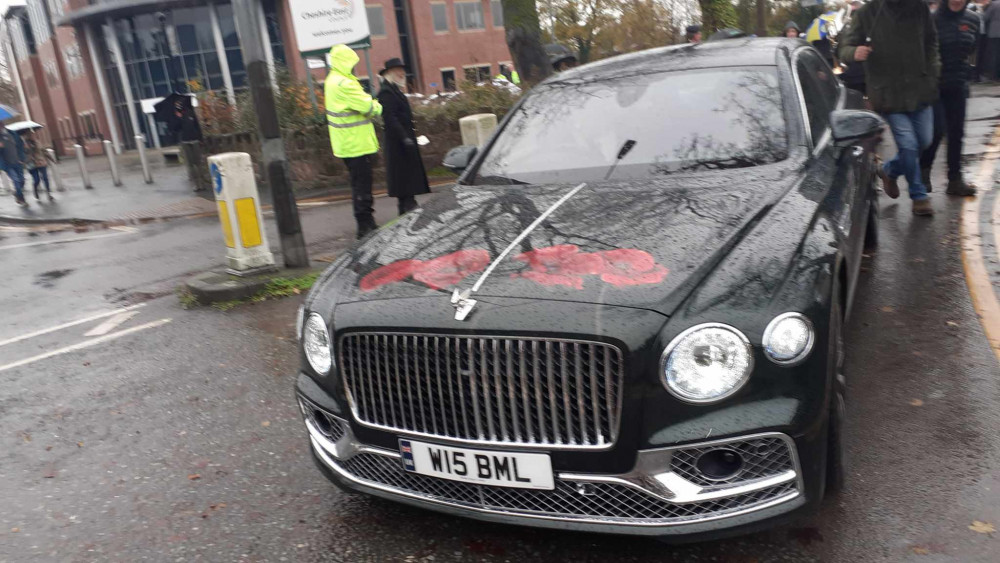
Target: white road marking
(111, 324)
(84, 344)
(120, 231)
(69, 324)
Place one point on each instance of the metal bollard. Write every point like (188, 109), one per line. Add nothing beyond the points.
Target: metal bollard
(56, 178)
(140, 141)
(83, 167)
(113, 161)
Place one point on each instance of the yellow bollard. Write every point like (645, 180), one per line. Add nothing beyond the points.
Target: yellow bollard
(238, 200)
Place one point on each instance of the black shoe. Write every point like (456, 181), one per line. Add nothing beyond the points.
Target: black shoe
(366, 227)
(20, 201)
(925, 176)
(960, 188)
(51, 199)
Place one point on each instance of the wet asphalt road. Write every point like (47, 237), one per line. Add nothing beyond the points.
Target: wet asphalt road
(180, 441)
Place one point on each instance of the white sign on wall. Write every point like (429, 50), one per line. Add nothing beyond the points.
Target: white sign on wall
(321, 24)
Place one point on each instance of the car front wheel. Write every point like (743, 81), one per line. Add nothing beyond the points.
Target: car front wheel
(835, 455)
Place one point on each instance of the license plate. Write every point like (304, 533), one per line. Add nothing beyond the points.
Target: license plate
(500, 469)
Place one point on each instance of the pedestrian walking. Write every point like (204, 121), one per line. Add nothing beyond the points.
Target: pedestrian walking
(12, 162)
(693, 33)
(957, 30)
(37, 162)
(404, 169)
(991, 21)
(897, 42)
(349, 112)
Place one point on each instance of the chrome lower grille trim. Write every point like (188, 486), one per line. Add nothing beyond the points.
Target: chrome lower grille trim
(511, 391)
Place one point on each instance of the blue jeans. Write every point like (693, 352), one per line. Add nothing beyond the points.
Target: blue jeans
(913, 132)
(39, 175)
(16, 173)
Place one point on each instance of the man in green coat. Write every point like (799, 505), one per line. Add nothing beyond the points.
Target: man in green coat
(349, 112)
(897, 42)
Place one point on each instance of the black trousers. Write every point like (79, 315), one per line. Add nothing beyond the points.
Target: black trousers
(360, 170)
(949, 119)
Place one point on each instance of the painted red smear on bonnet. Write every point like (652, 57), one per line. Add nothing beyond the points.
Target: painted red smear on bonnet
(390, 273)
(450, 269)
(628, 266)
(562, 264)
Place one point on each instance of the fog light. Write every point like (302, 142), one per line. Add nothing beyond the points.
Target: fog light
(788, 338)
(720, 464)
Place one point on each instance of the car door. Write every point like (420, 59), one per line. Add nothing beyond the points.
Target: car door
(836, 172)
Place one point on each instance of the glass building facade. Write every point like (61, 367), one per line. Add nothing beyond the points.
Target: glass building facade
(175, 50)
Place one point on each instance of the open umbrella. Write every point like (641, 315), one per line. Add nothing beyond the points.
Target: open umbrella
(166, 107)
(7, 112)
(23, 125)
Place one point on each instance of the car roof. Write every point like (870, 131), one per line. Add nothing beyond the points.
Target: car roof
(740, 52)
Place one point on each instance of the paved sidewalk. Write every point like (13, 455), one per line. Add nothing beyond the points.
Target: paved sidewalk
(170, 194)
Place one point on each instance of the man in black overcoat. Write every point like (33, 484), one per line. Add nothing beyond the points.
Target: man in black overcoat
(404, 169)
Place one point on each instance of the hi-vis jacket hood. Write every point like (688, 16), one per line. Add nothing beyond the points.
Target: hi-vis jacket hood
(349, 109)
(343, 59)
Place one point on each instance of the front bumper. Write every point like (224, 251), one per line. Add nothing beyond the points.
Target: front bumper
(661, 496)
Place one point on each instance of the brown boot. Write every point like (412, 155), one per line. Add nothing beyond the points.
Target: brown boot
(922, 207)
(960, 188)
(888, 184)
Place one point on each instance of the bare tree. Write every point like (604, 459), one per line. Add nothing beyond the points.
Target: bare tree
(520, 19)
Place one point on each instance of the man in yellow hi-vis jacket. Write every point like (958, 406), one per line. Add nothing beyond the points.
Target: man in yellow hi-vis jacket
(349, 112)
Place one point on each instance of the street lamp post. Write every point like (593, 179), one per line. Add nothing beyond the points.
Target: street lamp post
(275, 164)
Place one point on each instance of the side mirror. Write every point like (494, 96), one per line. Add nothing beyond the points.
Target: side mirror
(849, 125)
(459, 158)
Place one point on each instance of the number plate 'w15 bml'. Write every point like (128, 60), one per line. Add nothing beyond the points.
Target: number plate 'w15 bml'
(500, 469)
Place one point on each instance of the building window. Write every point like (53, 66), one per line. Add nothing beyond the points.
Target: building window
(497, 10)
(51, 74)
(376, 23)
(477, 73)
(469, 16)
(439, 13)
(448, 80)
(40, 26)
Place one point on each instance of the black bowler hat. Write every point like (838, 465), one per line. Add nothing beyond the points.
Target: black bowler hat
(394, 62)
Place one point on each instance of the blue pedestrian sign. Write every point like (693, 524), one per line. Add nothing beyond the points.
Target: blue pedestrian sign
(216, 178)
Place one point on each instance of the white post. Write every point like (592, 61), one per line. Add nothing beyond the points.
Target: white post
(81, 160)
(116, 49)
(140, 142)
(151, 121)
(220, 50)
(113, 162)
(56, 177)
(102, 89)
(243, 229)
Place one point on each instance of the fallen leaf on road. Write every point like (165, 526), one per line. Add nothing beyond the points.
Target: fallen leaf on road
(85, 364)
(79, 444)
(888, 309)
(265, 424)
(921, 551)
(49, 475)
(48, 448)
(916, 403)
(982, 527)
(194, 477)
(15, 530)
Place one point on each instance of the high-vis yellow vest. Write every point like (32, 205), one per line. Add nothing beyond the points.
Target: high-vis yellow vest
(349, 109)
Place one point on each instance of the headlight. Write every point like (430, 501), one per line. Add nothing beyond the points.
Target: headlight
(788, 338)
(707, 363)
(316, 343)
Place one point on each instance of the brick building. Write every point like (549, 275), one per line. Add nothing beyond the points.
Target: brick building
(91, 69)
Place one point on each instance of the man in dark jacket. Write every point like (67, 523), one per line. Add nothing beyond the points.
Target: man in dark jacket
(958, 30)
(897, 41)
(404, 169)
(12, 159)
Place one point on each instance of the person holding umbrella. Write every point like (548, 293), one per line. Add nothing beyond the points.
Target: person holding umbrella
(404, 169)
(12, 154)
(37, 162)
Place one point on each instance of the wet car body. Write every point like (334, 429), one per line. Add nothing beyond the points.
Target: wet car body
(568, 330)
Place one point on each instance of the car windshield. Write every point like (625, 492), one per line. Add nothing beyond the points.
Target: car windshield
(680, 121)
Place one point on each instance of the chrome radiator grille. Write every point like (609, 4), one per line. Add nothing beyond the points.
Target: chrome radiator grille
(486, 389)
